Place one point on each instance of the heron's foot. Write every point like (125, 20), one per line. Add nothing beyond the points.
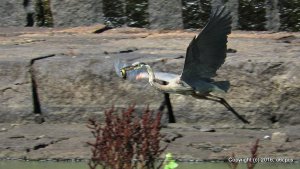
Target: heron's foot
(224, 103)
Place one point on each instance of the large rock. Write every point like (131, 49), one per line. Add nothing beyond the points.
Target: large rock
(12, 13)
(233, 7)
(279, 137)
(76, 13)
(266, 91)
(272, 15)
(79, 80)
(15, 91)
(75, 88)
(164, 14)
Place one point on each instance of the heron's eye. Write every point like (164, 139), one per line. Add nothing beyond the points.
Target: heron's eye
(123, 73)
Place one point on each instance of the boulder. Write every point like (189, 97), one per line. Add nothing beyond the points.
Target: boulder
(15, 91)
(12, 13)
(76, 13)
(78, 81)
(164, 14)
(279, 137)
(272, 15)
(76, 88)
(233, 7)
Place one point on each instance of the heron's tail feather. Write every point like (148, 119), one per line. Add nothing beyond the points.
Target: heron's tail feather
(222, 85)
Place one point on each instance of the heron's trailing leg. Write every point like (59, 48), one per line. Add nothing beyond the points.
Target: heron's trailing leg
(223, 102)
(167, 102)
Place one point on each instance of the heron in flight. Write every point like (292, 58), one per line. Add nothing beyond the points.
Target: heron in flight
(204, 56)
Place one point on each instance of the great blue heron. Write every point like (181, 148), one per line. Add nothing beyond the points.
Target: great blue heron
(204, 55)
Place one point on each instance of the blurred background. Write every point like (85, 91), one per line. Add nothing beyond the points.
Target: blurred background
(254, 15)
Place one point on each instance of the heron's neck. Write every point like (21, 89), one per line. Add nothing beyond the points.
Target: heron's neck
(152, 80)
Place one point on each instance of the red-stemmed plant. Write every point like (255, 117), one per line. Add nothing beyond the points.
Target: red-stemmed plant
(251, 161)
(126, 141)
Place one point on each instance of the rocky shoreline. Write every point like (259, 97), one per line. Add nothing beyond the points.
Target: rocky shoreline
(67, 75)
(188, 143)
(61, 77)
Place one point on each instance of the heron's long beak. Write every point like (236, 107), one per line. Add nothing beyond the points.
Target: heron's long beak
(125, 69)
(128, 68)
(123, 73)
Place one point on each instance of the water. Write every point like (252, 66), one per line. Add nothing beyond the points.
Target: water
(82, 165)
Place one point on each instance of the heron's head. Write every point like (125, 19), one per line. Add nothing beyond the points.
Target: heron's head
(134, 66)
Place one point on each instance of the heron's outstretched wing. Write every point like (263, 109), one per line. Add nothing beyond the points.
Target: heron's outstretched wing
(207, 52)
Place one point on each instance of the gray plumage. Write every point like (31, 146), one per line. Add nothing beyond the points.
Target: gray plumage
(205, 54)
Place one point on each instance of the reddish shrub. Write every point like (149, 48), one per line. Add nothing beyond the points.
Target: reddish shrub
(126, 141)
(250, 161)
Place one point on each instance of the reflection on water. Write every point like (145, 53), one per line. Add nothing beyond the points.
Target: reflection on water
(83, 165)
